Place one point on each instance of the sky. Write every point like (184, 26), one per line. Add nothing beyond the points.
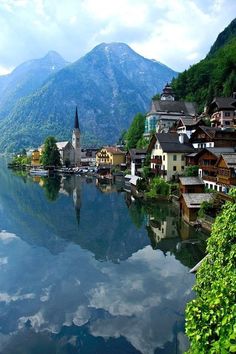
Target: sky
(177, 33)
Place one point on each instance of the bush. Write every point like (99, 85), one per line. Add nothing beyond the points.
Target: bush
(211, 317)
(158, 186)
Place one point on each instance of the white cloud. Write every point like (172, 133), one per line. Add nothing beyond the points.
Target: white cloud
(176, 33)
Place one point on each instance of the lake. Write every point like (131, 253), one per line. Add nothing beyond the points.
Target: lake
(85, 269)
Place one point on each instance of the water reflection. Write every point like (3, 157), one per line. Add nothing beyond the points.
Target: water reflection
(91, 272)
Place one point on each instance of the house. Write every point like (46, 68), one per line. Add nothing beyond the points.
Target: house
(166, 111)
(188, 125)
(110, 155)
(35, 157)
(226, 171)
(191, 185)
(222, 111)
(206, 161)
(190, 204)
(212, 137)
(168, 152)
(88, 156)
(135, 159)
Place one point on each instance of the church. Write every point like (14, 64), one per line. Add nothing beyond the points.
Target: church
(71, 151)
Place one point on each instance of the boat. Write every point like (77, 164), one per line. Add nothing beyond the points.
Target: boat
(38, 172)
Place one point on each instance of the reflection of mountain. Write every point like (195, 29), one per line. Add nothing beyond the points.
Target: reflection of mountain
(105, 228)
(29, 214)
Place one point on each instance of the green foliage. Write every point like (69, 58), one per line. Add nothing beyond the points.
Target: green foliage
(135, 131)
(156, 97)
(142, 143)
(142, 185)
(211, 317)
(20, 160)
(50, 155)
(213, 76)
(205, 208)
(146, 172)
(158, 186)
(191, 171)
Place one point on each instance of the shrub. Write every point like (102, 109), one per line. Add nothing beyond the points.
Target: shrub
(158, 186)
(211, 316)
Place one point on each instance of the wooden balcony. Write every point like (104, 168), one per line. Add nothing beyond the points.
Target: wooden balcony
(226, 180)
(209, 178)
(156, 160)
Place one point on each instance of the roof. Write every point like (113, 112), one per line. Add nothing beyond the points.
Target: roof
(230, 159)
(222, 103)
(113, 150)
(61, 144)
(183, 107)
(132, 179)
(137, 152)
(215, 133)
(194, 200)
(76, 123)
(169, 142)
(190, 121)
(191, 181)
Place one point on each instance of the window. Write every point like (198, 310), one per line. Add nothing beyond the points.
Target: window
(164, 157)
(227, 114)
(182, 168)
(182, 158)
(174, 157)
(174, 168)
(227, 123)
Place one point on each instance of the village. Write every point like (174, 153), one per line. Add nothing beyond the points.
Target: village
(195, 155)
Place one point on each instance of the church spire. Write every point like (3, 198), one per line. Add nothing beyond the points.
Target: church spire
(76, 125)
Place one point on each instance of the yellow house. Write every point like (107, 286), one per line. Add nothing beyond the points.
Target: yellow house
(168, 152)
(35, 158)
(110, 155)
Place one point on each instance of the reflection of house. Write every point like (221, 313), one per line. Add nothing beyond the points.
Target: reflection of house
(163, 228)
(191, 185)
(190, 204)
(166, 111)
(212, 137)
(226, 170)
(110, 155)
(135, 159)
(223, 112)
(168, 152)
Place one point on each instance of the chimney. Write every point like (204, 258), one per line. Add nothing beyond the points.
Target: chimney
(181, 138)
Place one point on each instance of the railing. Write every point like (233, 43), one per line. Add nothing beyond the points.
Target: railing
(209, 178)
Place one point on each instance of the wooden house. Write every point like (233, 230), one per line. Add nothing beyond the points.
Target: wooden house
(191, 185)
(190, 204)
(226, 170)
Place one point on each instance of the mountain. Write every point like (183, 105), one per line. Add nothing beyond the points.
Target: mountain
(213, 76)
(109, 85)
(26, 78)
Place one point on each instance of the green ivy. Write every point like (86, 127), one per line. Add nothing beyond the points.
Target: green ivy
(211, 316)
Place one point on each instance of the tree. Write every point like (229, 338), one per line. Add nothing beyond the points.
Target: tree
(135, 131)
(50, 155)
(211, 316)
(191, 171)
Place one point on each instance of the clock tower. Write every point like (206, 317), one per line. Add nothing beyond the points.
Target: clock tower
(76, 140)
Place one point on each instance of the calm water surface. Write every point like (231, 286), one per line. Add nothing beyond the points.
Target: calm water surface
(86, 270)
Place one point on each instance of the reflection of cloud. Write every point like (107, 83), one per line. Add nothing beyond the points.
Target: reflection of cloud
(144, 299)
(4, 297)
(36, 321)
(6, 237)
(3, 260)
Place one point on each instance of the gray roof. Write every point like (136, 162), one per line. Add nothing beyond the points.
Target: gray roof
(138, 152)
(222, 103)
(217, 151)
(230, 159)
(194, 200)
(61, 144)
(169, 142)
(191, 181)
(188, 108)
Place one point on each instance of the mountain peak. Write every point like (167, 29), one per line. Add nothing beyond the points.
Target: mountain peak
(225, 36)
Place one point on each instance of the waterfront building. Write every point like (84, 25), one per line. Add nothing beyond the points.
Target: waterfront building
(135, 159)
(226, 170)
(222, 111)
(110, 155)
(166, 111)
(190, 204)
(168, 151)
(191, 185)
(207, 137)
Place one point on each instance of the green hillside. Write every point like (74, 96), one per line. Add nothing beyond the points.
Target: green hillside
(213, 76)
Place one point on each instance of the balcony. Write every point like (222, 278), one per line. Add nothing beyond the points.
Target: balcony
(157, 160)
(209, 178)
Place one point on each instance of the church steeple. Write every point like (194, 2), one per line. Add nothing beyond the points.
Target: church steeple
(76, 124)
